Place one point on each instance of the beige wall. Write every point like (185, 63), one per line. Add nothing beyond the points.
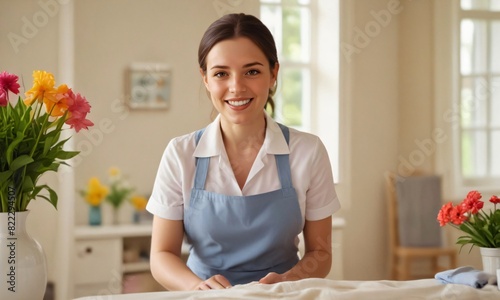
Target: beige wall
(388, 99)
(373, 127)
(109, 36)
(390, 123)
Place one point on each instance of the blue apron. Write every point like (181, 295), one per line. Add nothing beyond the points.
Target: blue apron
(242, 237)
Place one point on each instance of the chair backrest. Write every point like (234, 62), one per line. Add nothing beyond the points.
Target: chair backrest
(412, 204)
(392, 215)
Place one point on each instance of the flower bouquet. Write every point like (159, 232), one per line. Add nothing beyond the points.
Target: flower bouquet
(482, 228)
(30, 132)
(31, 145)
(114, 193)
(139, 203)
(119, 190)
(94, 196)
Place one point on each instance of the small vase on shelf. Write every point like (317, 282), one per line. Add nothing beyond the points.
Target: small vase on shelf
(136, 217)
(116, 216)
(139, 203)
(95, 215)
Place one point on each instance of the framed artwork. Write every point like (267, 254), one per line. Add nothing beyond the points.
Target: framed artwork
(149, 86)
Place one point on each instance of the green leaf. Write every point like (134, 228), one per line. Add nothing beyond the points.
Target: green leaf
(52, 167)
(27, 185)
(52, 196)
(10, 150)
(5, 175)
(67, 154)
(20, 162)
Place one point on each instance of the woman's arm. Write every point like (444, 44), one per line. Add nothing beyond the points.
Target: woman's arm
(317, 259)
(166, 264)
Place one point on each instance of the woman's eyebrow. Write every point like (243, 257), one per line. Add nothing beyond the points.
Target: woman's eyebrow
(244, 66)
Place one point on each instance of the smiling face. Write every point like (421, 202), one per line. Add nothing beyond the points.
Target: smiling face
(238, 78)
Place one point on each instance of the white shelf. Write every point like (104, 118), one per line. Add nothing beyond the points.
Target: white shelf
(135, 267)
(112, 231)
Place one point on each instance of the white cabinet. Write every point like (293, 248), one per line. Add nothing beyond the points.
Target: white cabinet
(113, 259)
(106, 256)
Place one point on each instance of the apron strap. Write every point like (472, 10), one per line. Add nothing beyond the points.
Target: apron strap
(282, 163)
(201, 165)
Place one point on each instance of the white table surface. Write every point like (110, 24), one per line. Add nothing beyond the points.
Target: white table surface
(327, 289)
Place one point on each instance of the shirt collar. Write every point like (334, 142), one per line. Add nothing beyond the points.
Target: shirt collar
(211, 143)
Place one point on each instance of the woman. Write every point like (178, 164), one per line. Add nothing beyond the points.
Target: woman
(242, 189)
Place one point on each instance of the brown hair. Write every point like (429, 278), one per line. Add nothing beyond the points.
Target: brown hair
(239, 25)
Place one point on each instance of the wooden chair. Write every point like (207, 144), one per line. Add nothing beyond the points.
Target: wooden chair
(401, 257)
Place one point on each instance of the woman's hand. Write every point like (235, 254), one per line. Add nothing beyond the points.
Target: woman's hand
(215, 282)
(272, 278)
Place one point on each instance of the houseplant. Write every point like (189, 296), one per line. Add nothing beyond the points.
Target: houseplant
(481, 228)
(115, 193)
(119, 191)
(139, 203)
(94, 195)
(30, 146)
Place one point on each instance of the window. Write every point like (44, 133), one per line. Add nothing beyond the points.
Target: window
(290, 23)
(307, 39)
(479, 91)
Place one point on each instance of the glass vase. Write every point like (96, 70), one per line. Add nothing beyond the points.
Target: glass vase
(95, 215)
(116, 216)
(136, 217)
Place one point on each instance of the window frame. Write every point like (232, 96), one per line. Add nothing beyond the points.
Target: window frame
(323, 112)
(489, 178)
(305, 65)
(447, 94)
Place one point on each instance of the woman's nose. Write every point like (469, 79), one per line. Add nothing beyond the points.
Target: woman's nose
(237, 84)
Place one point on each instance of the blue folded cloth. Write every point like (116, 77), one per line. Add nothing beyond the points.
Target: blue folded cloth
(467, 276)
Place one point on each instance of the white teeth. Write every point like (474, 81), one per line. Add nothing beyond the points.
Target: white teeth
(239, 103)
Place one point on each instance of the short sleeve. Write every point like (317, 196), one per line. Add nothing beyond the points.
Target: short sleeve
(321, 197)
(166, 199)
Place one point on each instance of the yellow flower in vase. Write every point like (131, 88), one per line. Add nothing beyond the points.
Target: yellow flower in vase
(119, 191)
(139, 203)
(96, 192)
(94, 196)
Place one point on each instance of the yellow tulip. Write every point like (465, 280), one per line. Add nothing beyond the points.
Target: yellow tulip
(96, 192)
(139, 202)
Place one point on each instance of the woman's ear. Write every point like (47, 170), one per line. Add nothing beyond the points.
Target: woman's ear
(274, 74)
(204, 76)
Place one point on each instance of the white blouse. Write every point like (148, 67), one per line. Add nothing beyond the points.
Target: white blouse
(309, 163)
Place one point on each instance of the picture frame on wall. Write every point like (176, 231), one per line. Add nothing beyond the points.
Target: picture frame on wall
(148, 86)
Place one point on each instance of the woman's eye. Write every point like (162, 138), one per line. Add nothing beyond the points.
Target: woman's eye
(220, 74)
(253, 72)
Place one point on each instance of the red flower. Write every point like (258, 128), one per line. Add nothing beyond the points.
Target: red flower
(3, 97)
(472, 204)
(444, 214)
(78, 108)
(474, 196)
(494, 199)
(458, 215)
(8, 82)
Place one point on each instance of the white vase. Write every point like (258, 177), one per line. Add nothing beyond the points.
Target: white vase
(23, 267)
(491, 259)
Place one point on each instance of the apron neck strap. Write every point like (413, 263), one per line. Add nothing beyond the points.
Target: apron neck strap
(282, 163)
